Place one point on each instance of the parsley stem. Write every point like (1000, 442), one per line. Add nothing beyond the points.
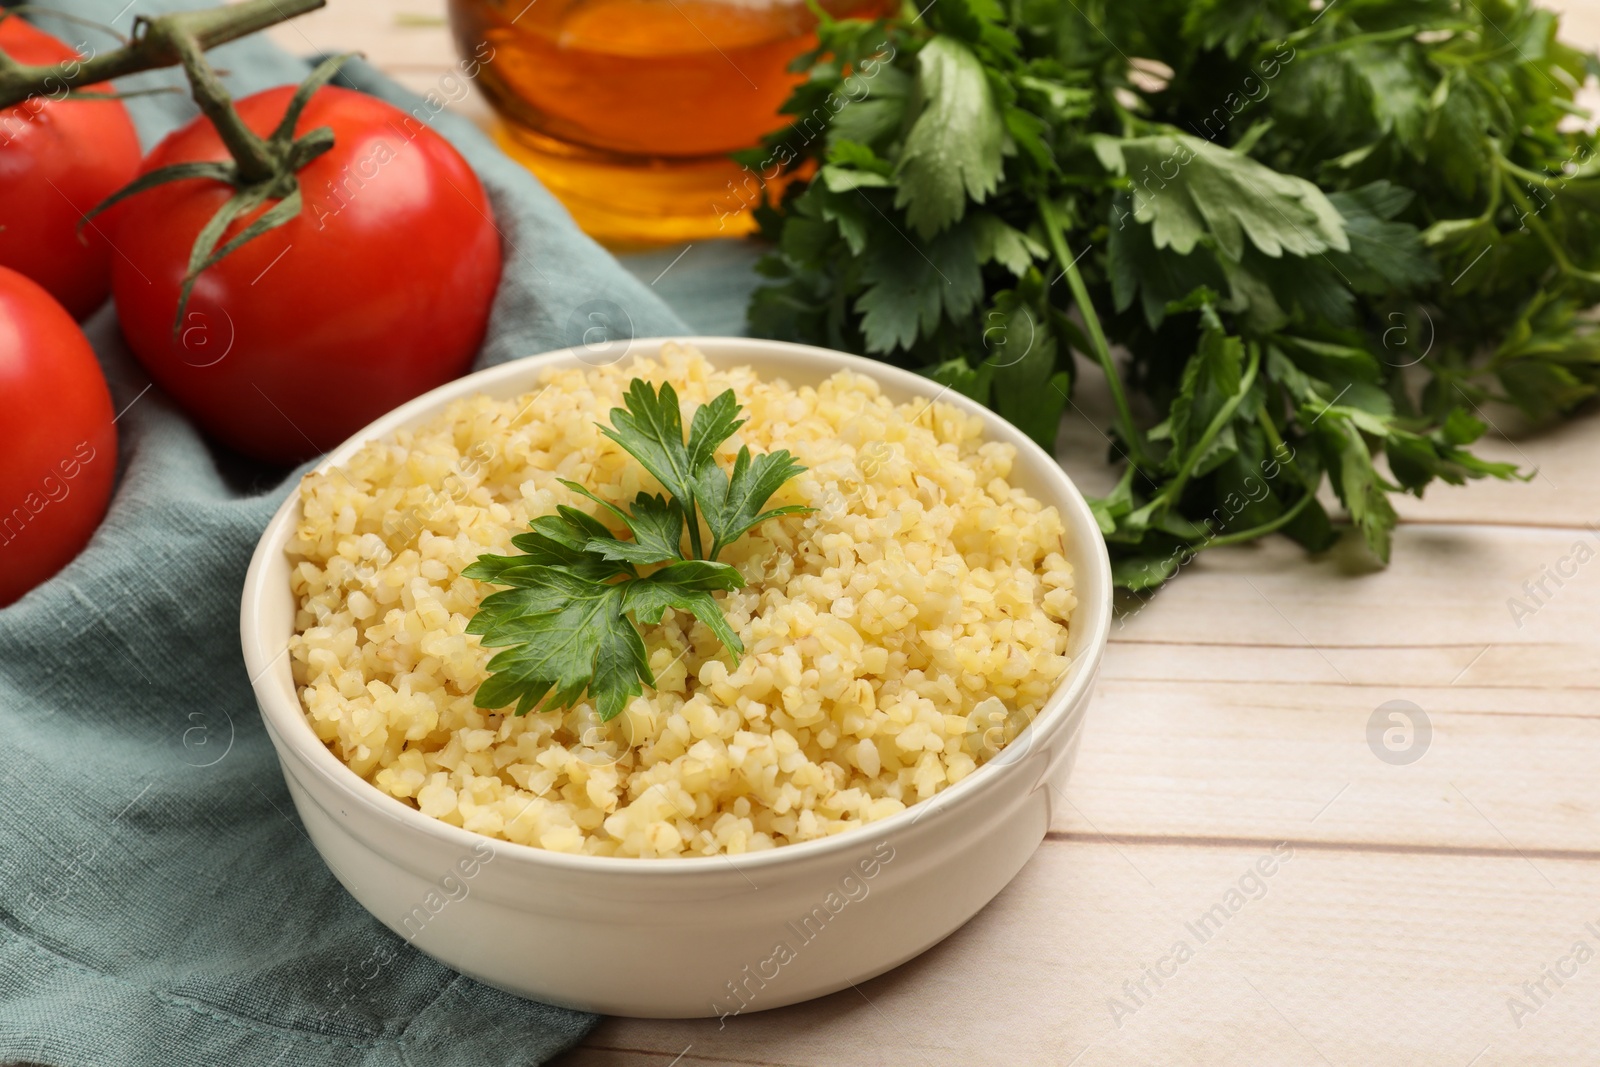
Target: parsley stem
(694, 530)
(1531, 220)
(1174, 489)
(1531, 177)
(1275, 439)
(1271, 526)
(1097, 336)
(1399, 33)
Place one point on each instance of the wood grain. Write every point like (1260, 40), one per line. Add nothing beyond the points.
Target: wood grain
(1341, 957)
(1233, 715)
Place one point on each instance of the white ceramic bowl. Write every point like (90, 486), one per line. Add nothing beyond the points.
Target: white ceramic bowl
(684, 937)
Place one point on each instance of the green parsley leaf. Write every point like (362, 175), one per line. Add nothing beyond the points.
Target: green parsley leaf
(1156, 278)
(688, 586)
(1361, 489)
(733, 501)
(999, 242)
(657, 525)
(1385, 256)
(621, 664)
(655, 522)
(952, 153)
(1024, 361)
(558, 540)
(1187, 189)
(909, 290)
(650, 428)
(564, 622)
(555, 628)
(713, 424)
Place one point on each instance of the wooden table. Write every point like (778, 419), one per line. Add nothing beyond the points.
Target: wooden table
(1421, 913)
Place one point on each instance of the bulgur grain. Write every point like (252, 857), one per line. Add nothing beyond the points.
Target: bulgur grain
(896, 637)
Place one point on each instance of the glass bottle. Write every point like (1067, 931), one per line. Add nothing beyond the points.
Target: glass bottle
(627, 109)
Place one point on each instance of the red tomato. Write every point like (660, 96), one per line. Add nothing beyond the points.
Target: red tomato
(58, 159)
(60, 443)
(378, 291)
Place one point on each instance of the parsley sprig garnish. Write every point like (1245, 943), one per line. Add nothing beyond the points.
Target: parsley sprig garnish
(569, 623)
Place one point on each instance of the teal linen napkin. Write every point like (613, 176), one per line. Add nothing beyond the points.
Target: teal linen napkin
(159, 902)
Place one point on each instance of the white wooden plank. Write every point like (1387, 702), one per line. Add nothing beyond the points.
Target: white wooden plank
(1447, 586)
(1207, 759)
(391, 33)
(1580, 20)
(1347, 958)
(407, 39)
(1237, 703)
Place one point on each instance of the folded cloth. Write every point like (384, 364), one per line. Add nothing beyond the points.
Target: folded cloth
(159, 902)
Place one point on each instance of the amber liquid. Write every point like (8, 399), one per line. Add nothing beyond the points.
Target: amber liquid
(627, 109)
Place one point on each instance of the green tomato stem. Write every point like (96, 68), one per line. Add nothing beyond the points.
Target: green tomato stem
(248, 149)
(153, 46)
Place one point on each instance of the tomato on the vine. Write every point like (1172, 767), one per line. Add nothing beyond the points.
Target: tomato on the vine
(377, 290)
(58, 159)
(60, 441)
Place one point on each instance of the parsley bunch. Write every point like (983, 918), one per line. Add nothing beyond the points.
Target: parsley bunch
(569, 623)
(1322, 236)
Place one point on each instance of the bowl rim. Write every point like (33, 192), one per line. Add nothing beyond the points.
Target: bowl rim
(288, 726)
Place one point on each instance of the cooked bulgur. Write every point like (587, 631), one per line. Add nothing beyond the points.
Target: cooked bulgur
(895, 637)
